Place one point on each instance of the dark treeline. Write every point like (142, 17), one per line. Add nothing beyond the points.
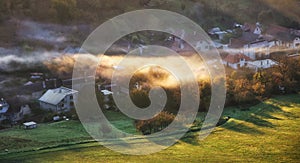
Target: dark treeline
(207, 13)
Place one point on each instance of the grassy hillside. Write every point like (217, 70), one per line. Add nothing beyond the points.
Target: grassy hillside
(266, 132)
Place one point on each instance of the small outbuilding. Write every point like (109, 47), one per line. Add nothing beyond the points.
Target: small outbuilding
(29, 125)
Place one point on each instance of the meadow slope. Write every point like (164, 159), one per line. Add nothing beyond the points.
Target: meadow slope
(267, 132)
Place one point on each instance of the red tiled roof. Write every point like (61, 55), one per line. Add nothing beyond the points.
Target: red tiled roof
(235, 58)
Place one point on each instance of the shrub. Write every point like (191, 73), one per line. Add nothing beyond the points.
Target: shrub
(155, 124)
(140, 98)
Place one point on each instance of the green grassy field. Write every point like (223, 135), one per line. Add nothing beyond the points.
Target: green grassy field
(266, 132)
(17, 139)
(55, 134)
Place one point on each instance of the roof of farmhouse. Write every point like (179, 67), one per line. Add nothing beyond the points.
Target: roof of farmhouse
(54, 96)
(235, 58)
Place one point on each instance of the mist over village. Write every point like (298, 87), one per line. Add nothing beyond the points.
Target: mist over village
(222, 86)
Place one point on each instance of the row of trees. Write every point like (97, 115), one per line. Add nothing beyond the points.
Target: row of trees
(244, 87)
(250, 86)
(65, 10)
(220, 13)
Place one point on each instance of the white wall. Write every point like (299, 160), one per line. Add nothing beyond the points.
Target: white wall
(261, 64)
(64, 106)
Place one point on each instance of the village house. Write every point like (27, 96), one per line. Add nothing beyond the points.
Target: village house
(18, 109)
(257, 43)
(106, 98)
(106, 91)
(33, 89)
(19, 115)
(243, 44)
(4, 106)
(261, 64)
(217, 33)
(178, 43)
(258, 29)
(36, 76)
(257, 49)
(296, 43)
(236, 61)
(58, 100)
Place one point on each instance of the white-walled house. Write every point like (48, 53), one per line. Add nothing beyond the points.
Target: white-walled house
(58, 100)
(253, 48)
(296, 43)
(261, 64)
(256, 42)
(236, 61)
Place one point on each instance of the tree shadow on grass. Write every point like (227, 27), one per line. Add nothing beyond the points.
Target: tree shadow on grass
(260, 117)
(268, 116)
(271, 108)
(239, 127)
(281, 103)
(254, 119)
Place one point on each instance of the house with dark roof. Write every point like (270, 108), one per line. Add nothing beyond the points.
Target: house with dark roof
(257, 42)
(18, 109)
(236, 61)
(257, 49)
(35, 89)
(251, 33)
(20, 113)
(58, 100)
(217, 33)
